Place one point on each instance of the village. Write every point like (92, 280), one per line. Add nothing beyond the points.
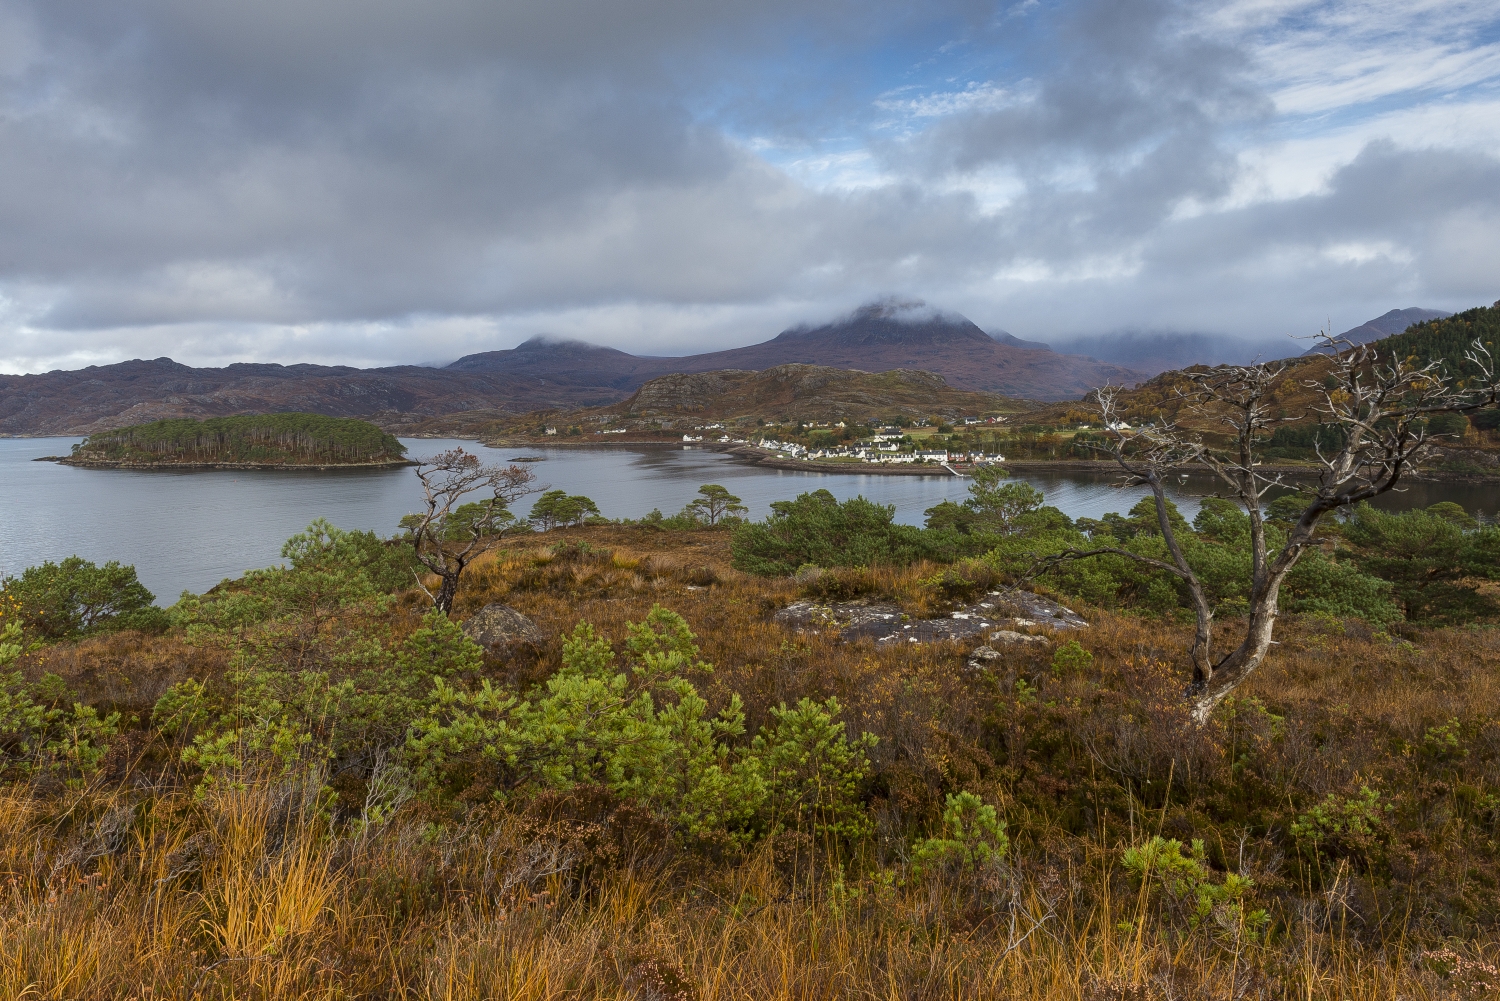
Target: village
(888, 445)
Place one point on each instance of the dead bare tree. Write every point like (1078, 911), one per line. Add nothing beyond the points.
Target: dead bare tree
(1376, 407)
(446, 544)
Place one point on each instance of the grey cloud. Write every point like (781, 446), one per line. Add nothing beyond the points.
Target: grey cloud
(1118, 78)
(310, 178)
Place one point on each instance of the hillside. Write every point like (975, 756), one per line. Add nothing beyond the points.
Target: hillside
(879, 337)
(300, 768)
(565, 363)
(1394, 322)
(270, 440)
(539, 374)
(1473, 446)
(886, 336)
(671, 404)
(99, 398)
(546, 373)
(807, 392)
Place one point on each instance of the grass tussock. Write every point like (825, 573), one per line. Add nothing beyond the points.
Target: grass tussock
(1335, 826)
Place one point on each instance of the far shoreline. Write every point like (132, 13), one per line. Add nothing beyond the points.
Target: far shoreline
(285, 467)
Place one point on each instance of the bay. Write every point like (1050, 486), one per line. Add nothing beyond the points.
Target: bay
(189, 530)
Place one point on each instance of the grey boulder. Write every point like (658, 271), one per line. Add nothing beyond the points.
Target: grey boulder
(500, 629)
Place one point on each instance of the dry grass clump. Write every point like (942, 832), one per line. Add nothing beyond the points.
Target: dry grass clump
(131, 884)
(250, 895)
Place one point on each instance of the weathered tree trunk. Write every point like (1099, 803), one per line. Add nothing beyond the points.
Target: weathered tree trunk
(443, 602)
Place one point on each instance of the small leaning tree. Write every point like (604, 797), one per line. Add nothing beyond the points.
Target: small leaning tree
(1377, 409)
(449, 534)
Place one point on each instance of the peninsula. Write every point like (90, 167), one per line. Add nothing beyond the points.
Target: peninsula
(293, 441)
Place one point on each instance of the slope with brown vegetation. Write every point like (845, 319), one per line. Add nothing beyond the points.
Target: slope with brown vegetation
(786, 393)
(1331, 834)
(1469, 445)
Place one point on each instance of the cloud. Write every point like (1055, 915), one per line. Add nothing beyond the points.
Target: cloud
(386, 182)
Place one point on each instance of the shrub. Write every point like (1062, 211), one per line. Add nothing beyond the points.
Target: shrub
(74, 597)
(39, 729)
(1070, 658)
(816, 528)
(1340, 825)
(1188, 883)
(812, 771)
(643, 732)
(973, 835)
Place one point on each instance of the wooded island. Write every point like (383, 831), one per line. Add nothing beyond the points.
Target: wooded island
(304, 441)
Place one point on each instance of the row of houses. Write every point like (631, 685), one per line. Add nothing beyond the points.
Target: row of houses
(881, 452)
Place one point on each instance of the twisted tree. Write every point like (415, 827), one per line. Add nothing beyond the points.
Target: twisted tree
(1378, 409)
(447, 540)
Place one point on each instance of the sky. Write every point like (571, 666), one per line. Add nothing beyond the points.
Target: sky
(382, 182)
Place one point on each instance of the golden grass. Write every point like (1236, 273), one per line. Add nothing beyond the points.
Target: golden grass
(130, 887)
(275, 907)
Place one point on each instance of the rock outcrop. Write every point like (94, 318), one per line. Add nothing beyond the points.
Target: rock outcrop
(501, 629)
(998, 617)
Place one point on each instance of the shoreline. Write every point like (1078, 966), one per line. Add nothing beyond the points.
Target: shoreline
(287, 467)
(761, 457)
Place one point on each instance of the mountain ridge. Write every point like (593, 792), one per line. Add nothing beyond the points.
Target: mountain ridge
(878, 337)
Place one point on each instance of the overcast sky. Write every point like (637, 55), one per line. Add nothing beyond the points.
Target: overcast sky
(377, 182)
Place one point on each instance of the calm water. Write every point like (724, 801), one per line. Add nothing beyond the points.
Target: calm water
(188, 531)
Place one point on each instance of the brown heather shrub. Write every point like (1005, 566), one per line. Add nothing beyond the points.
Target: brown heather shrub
(130, 885)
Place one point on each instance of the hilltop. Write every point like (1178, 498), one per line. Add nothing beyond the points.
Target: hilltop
(1395, 322)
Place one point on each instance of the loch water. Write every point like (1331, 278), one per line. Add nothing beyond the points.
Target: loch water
(189, 530)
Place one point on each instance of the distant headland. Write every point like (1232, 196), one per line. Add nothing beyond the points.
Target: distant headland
(289, 441)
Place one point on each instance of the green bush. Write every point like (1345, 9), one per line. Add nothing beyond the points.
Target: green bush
(1429, 560)
(41, 729)
(812, 771)
(557, 508)
(75, 597)
(1189, 884)
(817, 529)
(642, 731)
(973, 835)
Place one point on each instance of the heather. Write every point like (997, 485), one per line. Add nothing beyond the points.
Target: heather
(307, 783)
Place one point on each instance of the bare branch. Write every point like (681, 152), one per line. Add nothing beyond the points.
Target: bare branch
(444, 545)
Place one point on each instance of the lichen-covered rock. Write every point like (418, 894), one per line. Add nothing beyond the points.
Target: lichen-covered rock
(998, 616)
(500, 629)
(984, 658)
(1009, 637)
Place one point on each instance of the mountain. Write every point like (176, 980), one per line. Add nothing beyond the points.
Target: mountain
(541, 373)
(564, 363)
(806, 392)
(102, 397)
(1385, 325)
(879, 337)
(1155, 353)
(664, 407)
(889, 335)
